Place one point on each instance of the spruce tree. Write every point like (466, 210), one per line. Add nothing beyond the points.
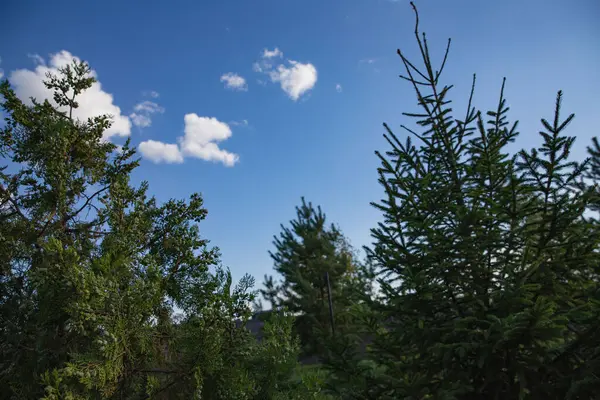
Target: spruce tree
(305, 252)
(487, 262)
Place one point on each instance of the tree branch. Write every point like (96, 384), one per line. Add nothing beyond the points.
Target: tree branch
(89, 199)
(13, 202)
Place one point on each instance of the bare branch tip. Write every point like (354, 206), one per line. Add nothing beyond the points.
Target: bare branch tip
(414, 7)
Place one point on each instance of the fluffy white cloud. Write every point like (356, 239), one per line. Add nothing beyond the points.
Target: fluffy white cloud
(338, 88)
(295, 78)
(272, 53)
(234, 81)
(1, 70)
(92, 102)
(159, 152)
(143, 111)
(201, 135)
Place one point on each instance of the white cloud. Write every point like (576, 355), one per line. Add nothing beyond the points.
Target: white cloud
(151, 93)
(265, 63)
(272, 53)
(148, 107)
(159, 152)
(140, 120)
(37, 59)
(243, 122)
(338, 88)
(141, 117)
(201, 135)
(295, 78)
(1, 70)
(234, 81)
(92, 102)
(370, 63)
(367, 61)
(257, 67)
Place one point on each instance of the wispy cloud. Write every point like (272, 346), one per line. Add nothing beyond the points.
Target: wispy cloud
(338, 88)
(140, 120)
(234, 82)
(37, 59)
(371, 62)
(151, 93)
(148, 107)
(242, 123)
(272, 53)
(141, 117)
(367, 61)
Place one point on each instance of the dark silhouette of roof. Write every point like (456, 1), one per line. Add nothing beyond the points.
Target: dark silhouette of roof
(256, 323)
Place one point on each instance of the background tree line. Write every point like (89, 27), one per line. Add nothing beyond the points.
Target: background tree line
(486, 267)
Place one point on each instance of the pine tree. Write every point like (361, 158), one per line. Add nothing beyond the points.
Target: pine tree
(488, 266)
(92, 269)
(305, 253)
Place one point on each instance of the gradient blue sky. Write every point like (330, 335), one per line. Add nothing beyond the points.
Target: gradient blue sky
(320, 146)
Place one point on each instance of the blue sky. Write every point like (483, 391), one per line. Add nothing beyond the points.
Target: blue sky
(304, 135)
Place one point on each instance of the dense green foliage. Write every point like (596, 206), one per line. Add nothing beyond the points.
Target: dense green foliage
(305, 253)
(92, 270)
(488, 262)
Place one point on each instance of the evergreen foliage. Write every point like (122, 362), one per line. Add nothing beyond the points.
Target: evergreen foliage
(305, 252)
(93, 268)
(488, 265)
